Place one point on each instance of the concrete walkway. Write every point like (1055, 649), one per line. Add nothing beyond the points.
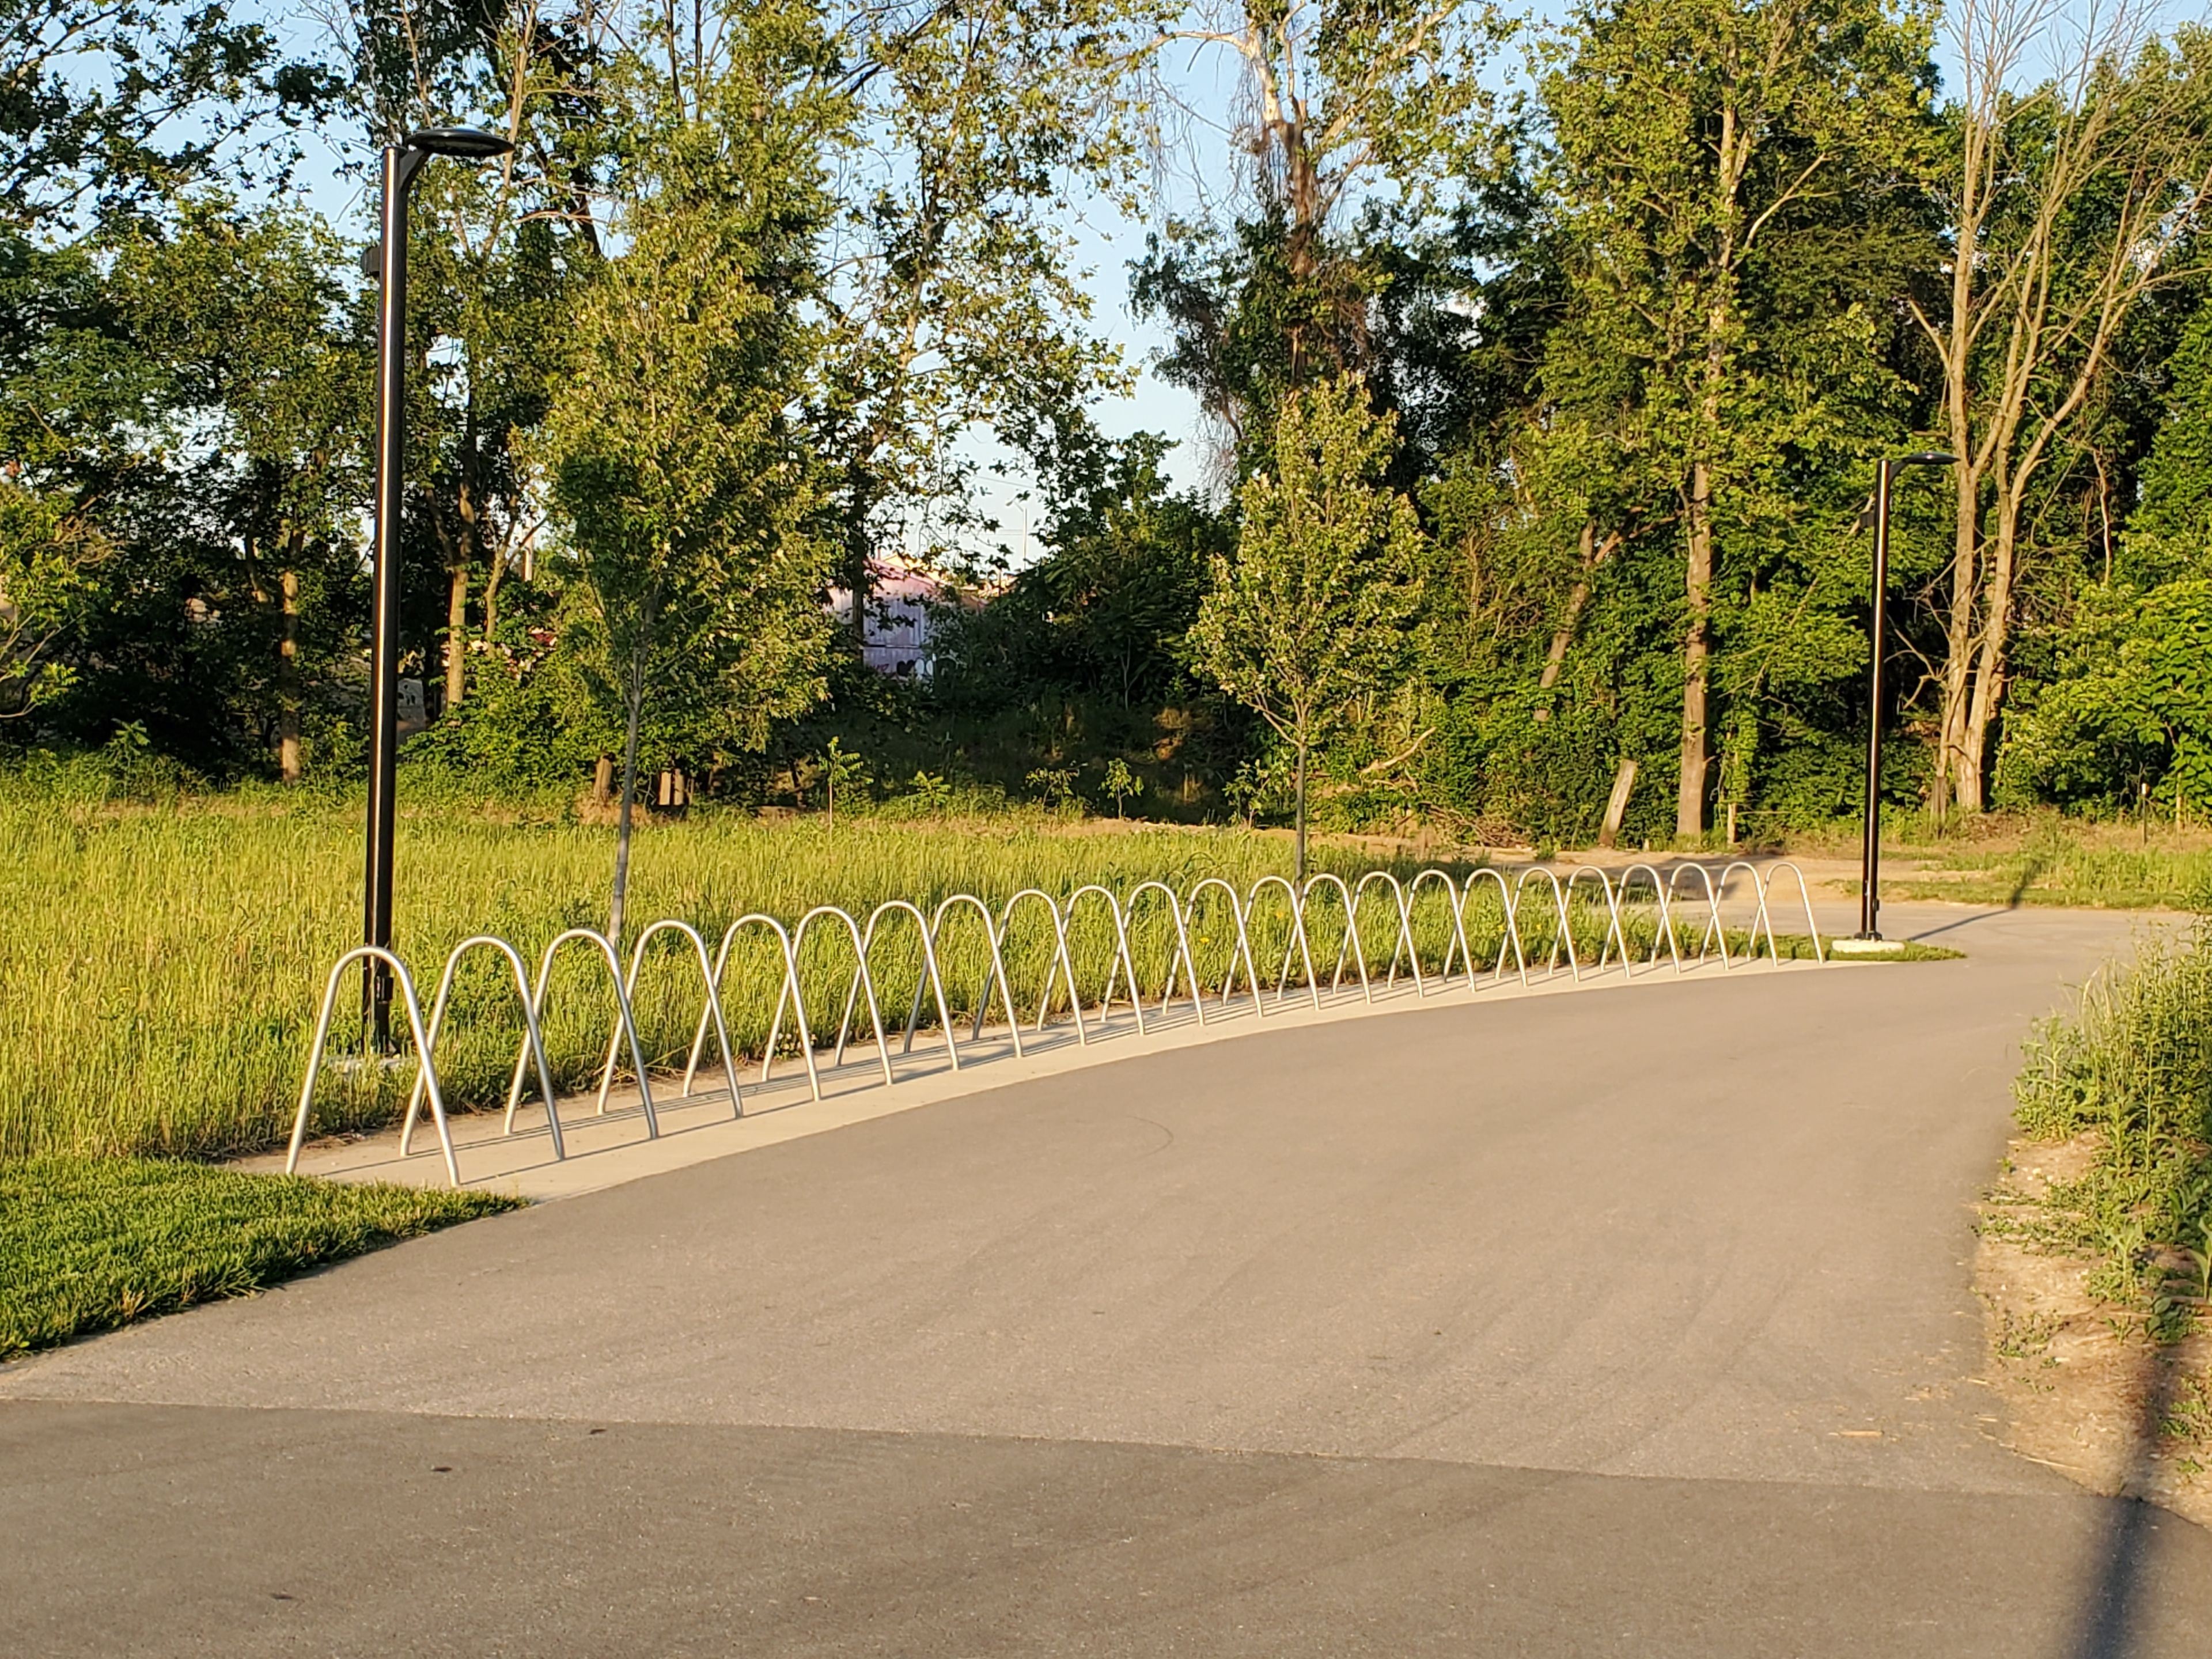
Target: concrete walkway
(1629, 1323)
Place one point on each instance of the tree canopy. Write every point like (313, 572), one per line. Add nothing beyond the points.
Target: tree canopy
(1535, 409)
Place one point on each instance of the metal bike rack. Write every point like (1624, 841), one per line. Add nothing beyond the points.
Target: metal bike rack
(626, 1025)
(713, 1009)
(1613, 935)
(1564, 931)
(1510, 924)
(1242, 948)
(1183, 958)
(1123, 962)
(424, 1074)
(788, 990)
(1666, 930)
(1202, 904)
(533, 1046)
(928, 980)
(1061, 962)
(1297, 946)
(824, 912)
(994, 975)
(1457, 941)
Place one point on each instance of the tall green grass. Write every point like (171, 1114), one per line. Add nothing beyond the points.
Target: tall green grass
(160, 967)
(2052, 868)
(2133, 1064)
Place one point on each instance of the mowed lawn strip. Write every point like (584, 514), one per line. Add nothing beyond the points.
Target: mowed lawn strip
(89, 1243)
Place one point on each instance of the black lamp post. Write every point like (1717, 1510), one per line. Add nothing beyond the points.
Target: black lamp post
(402, 162)
(1870, 855)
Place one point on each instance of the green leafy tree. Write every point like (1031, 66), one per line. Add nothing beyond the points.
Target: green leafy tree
(2069, 204)
(1121, 784)
(496, 253)
(930, 793)
(1312, 611)
(2130, 705)
(691, 507)
(840, 769)
(956, 304)
(1360, 124)
(112, 110)
(184, 417)
(1103, 612)
(1695, 141)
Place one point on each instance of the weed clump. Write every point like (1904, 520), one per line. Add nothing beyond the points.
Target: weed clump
(2132, 1066)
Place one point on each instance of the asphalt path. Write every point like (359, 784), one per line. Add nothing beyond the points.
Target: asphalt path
(1636, 1320)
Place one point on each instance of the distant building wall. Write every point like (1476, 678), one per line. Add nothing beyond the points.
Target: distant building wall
(895, 639)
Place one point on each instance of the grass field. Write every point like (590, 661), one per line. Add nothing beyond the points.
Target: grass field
(2039, 858)
(160, 966)
(2049, 871)
(89, 1243)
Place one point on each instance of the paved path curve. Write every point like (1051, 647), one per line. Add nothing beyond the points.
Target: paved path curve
(1631, 1322)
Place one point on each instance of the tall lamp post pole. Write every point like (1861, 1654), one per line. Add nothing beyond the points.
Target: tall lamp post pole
(1871, 851)
(402, 162)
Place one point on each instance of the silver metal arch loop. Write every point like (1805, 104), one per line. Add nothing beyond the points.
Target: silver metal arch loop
(1804, 894)
(1613, 935)
(625, 1026)
(1061, 962)
(1182, 960)
(534, 1044)
(1242, 948)
(1712, 927)
(423, 1073)
(928, 980)
(786, 992)
(994, 975)
(1457, 940)
(1565, 932)
(1759, 917)
(712, 1009)
(1124, 964)
(1665, 934)
(1296, 945)
(822, 913)
(1350, 944)
(1510, 934)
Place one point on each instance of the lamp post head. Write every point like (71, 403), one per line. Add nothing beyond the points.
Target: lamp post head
(466, 144)
(1927, 457)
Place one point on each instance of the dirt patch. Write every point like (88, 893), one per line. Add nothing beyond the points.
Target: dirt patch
(2088, 1392)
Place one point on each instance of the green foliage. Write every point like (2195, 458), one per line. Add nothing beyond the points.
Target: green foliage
(1311, 613)
(841, 769)
(114, 110)
(2130, 703)
(2169, 535)
(182, 414)
(764, 290)
(2133, 1065)
(1055, 785)
(691, 505)
(1120, 784)
(930, 793)
(164, 967)
(87, 1244)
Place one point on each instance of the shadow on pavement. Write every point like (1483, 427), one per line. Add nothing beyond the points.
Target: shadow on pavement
(1963, 921)
(2111, 1616)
